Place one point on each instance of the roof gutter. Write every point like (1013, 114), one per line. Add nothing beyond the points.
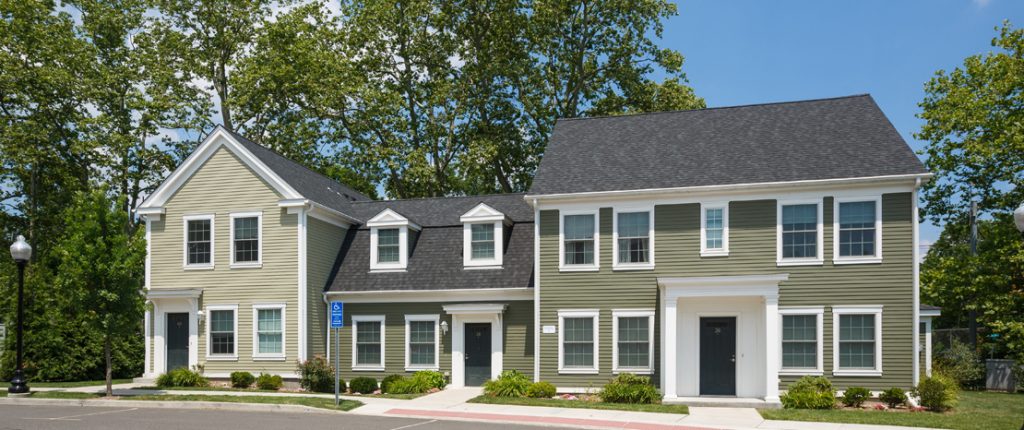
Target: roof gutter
(917, 177)
(309, 204)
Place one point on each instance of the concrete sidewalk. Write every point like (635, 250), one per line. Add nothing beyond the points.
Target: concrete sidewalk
(451, 404)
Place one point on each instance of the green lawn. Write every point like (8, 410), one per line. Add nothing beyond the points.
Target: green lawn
(581, 404)
(62, 395)
(75, 384)
(976, 411)
(315, 402)
(386, 396)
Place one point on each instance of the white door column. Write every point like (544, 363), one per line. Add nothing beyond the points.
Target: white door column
(669, 354)
(771, 338)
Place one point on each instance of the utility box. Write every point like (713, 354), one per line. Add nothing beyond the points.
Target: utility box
(999, 375)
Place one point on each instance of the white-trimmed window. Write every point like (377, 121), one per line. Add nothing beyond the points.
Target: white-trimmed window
(714, 229)
(801, 335)
(633, 241)
(577, 341)
(198, 238)
(368, 342)
(246, 239)
(483, 237)
(222, 332)
(857, 230)
(268, 337)
(799, 233)
(633, 333)
(421, 342)
(389, 241)
(857, 340)
(580, 242)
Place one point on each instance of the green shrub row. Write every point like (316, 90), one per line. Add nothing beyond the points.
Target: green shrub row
(937, 393)
(624, 388)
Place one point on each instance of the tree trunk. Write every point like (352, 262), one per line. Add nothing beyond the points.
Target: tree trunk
(110, 364)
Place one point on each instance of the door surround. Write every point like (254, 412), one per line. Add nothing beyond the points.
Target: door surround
(172, 301)
(475, 313)
(736, 342)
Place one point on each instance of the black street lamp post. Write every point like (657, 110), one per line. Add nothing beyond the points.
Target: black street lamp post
(21, 252)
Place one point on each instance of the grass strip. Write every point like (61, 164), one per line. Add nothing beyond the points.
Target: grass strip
(250, 390)
(581, 404)
(314, 402)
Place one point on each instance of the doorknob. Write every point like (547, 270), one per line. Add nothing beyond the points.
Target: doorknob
(733, 358)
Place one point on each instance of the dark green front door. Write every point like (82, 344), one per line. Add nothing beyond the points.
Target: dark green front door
(718, 356)
(478, 353)
(177, 341)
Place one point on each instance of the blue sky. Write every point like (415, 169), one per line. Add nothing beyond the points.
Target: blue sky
(755, 51)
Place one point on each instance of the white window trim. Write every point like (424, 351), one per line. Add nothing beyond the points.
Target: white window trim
(436, 319)
(587, 313)
(836, 259)
(632, 313)
(184, 242)
(403, 250)
(356, 319)
(875, 310)
(714, 252)
(562, 266)
(209, 344)
(616, 264)
(259, 240)
(816, 261)
(256, 355)
(819, 313)
(467, 245)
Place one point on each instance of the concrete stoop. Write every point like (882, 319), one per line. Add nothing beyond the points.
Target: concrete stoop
(723, 402)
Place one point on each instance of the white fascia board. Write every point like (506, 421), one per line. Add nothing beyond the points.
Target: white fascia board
(467, 295)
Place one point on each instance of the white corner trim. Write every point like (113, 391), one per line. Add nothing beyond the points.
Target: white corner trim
(820, 237)
(255, 331)
(536, 292)
(819, 313)
(916, 254)
(633, 313)
(210, 356)
(616, 264)
(596, 265)
(867, 259)
(303, 232)
(149, 257)
(259, 238)
(875, 310)
(434, 318)
(714, 252)
(356, 319)
(184, 240)
(578, 313)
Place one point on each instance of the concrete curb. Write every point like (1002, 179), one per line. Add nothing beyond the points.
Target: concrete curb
(169, 404)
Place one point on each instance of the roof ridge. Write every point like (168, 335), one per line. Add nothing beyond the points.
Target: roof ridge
(440, 198)
(717, 107)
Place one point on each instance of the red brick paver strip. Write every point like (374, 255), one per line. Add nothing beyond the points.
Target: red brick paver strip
(541, 419)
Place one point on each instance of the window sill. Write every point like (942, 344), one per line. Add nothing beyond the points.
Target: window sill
(781, 263)
(269, 358)
(419, 368)
(221, 358)
(387, 270)
(714, 253)
(579, 268)
(858, 260)
(368, 369)
(800, 372)
(633, 371)
(197, 267)
(483, 267)
(245, 265)
(628, 267)
(577, 371)
(856, 373)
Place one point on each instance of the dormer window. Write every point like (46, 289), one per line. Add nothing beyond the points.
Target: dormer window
(483, 237)
(389, 241)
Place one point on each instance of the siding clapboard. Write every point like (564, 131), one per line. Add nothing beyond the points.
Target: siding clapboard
(323, 242)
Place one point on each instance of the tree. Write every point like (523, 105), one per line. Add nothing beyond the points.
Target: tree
(102, 264)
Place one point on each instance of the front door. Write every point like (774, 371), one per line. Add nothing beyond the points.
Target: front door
(177, 340)
(718, 356)
(478, 353)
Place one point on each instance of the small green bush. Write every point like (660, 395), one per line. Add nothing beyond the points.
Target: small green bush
(810, 392)
(541, 390)
(408, 386)
(385, 384)
(267, 381)
(510, 383)
(430, 378)
(181, 377)
(317, 375)
(629, 388)
(854, 397)
(893, 397)
(363, 385)
(938, 392)
(242, 379)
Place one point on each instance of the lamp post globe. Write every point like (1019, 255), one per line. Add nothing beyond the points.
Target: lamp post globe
(21, 252)
(1018, 218)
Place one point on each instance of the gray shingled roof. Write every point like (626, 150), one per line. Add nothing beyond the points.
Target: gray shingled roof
(842, 137)
(435, 261)
(310, 184)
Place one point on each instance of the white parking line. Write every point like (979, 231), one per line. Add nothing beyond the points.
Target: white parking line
(76, 417)
(414, 425)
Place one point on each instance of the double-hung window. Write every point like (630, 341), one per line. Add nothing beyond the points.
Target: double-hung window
(857, 340)
(368, 342)
(198, 241)
(799, 233)
(482, 242)
(801, 341)
(714, 232)
(222, 329)
(421, 342)
(633, 239)
(268, 331)
(633, 331)
(577, 341)
(388, 245)
(246, 235)
(858, 230)
(579, 241)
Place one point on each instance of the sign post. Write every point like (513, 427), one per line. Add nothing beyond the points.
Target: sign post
(337, 322)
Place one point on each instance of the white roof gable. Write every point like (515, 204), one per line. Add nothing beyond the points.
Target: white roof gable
(390, 218)
(482, 213)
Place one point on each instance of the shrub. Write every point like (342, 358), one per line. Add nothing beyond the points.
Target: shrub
(385, 384)
(510, 383)
(629, 388)
(267, 381)
(893, 397)
(937, 392)
(242, 379)
(540, 390)
(961, 363)
(430, 378)
(810, 392)
(317, 375)
(408, 386)
(363, 385)
(855, 396)
(181, 377)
